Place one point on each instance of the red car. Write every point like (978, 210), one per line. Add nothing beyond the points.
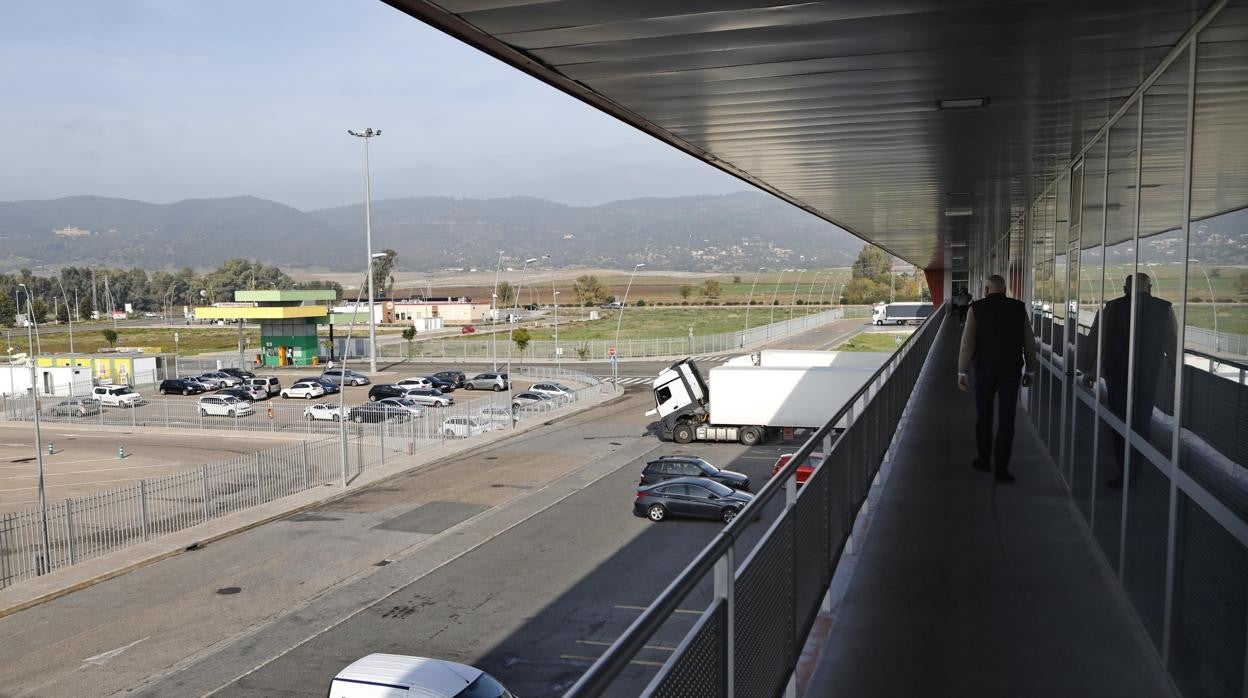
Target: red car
(804, 471)
(467, 329)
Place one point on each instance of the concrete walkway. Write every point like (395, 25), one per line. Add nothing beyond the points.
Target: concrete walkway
(969, 588)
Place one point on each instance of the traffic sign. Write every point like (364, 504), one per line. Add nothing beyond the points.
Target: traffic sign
(611, 358)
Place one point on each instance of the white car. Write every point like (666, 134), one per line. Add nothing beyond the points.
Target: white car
(463, 427)
(116, 396)
(499, 416)
(224, 406)
(430, 397)
(559, 392)
(415, 382)
(386, 675)
(304, 389)
(412, 407)
(326, 411)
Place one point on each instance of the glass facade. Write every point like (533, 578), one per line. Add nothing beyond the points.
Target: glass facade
(1136, 256)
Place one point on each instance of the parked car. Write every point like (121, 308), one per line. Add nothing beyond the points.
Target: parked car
(690, 496)
(487, 381)
(243, 393)
(464, 427)
(270, 385)
(330, 387)
(228, 380)
(671, 467)
(456, 377)
(194, 380)
(224, 406)
(528, 398)
(443, 385)
(375, 412)
(384, 390)
(431, 397)
(414, 382)
(500, 416)
(116, 396)
(213, 382)
(249, 392)
(303, 389)
(378, 675)
(345, 377)
(77, 407)
(612, 305)
(559, 392)
(413, 408)
(467, 329)
(180, 386)
(804, 471)
(327, 411)
(238, 373)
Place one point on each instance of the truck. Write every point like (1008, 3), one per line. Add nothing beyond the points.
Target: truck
(758, 394)
(900, 313)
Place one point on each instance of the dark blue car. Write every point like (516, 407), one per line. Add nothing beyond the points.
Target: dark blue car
(695, 497)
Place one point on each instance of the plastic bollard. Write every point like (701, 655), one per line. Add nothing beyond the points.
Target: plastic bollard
(121, 452)
(50, 449)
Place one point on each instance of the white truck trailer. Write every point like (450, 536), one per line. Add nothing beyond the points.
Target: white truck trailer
(758, 393)
(901, 313)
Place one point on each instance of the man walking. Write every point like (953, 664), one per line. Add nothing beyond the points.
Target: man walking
(996, 345)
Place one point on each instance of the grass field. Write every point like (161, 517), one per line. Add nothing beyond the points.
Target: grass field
(886, 342)
(191, 340)
(651, 323)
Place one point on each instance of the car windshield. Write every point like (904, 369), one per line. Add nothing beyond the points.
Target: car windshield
(485, 686)
(122, 391)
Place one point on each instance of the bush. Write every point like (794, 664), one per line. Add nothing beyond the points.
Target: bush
(641, 303)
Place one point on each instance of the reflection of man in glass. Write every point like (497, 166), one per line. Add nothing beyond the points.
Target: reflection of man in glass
(1155, 342)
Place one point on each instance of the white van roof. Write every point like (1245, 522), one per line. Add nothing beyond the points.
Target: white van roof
(428, 678)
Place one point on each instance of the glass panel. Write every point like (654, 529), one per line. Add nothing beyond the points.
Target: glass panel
(1091, 271)
(1144, 568)
(1113, 324)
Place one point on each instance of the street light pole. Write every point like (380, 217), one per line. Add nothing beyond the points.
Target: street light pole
(367, 134)
(823, 288)
(494, 313)
(1216, 339)
(511, 328)
(750, 301)
(34, 390)
(615, 371)
(793, 300)
(811, 293)
(772, 317)
(554, 295)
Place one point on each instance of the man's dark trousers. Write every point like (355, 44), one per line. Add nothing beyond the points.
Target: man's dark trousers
(1001, 384)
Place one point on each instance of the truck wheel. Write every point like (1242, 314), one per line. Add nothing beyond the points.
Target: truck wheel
(682, 434)
(750, 436)
(656, 513)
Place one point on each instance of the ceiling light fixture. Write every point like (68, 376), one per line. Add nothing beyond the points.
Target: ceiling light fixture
(965, 103)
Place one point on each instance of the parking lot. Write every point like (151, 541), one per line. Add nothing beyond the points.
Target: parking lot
(88, 460)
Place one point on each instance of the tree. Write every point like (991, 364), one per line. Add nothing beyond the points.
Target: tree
(712, 288)
(40, 310)
(685, 291)
(62, 310)
(872, 263)
(506, 294)
(589, 290)
(8, 311)
(110, 336)
(383, 280)
(409, 333)
(861, 291)
(736, 279)
(522, 338)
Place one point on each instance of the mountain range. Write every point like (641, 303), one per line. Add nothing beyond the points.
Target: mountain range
(731, 232)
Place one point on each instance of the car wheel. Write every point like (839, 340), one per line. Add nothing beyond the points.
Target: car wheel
(203, 412)
(449, 434)
(285, 396)
(656, 513)
(337, 418)
(727, 515)
(309, 416)
(186, 392)
(750, 436)
(498, 388)
(682, 434)
(355, 383)
(308, 396)
(358, 418)
(230, 413)
(164, 392)
(372, 398)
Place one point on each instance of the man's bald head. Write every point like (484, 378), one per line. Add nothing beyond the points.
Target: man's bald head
(996, 284)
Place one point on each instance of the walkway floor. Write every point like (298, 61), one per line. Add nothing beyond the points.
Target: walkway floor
(969, 588)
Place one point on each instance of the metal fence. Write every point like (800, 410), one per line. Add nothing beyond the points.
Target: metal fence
(81, 528)
(598, 349)
(747, 640)
(1216, 342)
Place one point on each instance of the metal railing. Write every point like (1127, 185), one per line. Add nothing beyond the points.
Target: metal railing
(598, 349)
(748, 639)
(85, 527)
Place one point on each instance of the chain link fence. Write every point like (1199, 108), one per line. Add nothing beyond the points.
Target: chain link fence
(37, 541)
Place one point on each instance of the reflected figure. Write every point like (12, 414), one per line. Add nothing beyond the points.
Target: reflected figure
(996, 343)
(1155, 342)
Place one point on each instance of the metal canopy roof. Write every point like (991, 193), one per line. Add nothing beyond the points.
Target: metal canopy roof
(834, 105)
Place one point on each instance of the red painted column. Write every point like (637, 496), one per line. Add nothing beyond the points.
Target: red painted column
(936, 284)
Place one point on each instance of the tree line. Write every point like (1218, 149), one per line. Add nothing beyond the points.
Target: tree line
(78, 292)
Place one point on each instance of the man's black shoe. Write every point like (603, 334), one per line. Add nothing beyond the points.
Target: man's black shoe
(979, 465)
(1004, 476)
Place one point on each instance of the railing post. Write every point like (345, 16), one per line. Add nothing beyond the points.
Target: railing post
(304, 464)
(69, 531)
(259, 489)
(203, 480)
(143, 508)
(725, 570)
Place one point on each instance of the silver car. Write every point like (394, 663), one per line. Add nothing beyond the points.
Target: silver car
(431, 397)
(412, 407)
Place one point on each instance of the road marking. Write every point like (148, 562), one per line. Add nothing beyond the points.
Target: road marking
(642, 608)
(101, 658)
(608, 644)
(591, 660)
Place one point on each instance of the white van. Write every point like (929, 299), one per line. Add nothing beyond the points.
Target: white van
(270, 385)
(397, 675)
(116, 396)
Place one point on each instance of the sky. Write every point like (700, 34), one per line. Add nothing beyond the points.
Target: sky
(163, 100)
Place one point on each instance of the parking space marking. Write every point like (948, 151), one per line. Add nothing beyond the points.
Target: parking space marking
(591, 660)
(660, 648)
(642, 608)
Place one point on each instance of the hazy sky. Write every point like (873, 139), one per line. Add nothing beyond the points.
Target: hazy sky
(162, 100)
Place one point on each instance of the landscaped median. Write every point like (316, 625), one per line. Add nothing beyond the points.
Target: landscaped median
(152, 521)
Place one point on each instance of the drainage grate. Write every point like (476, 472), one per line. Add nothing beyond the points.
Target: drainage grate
(226, 591)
